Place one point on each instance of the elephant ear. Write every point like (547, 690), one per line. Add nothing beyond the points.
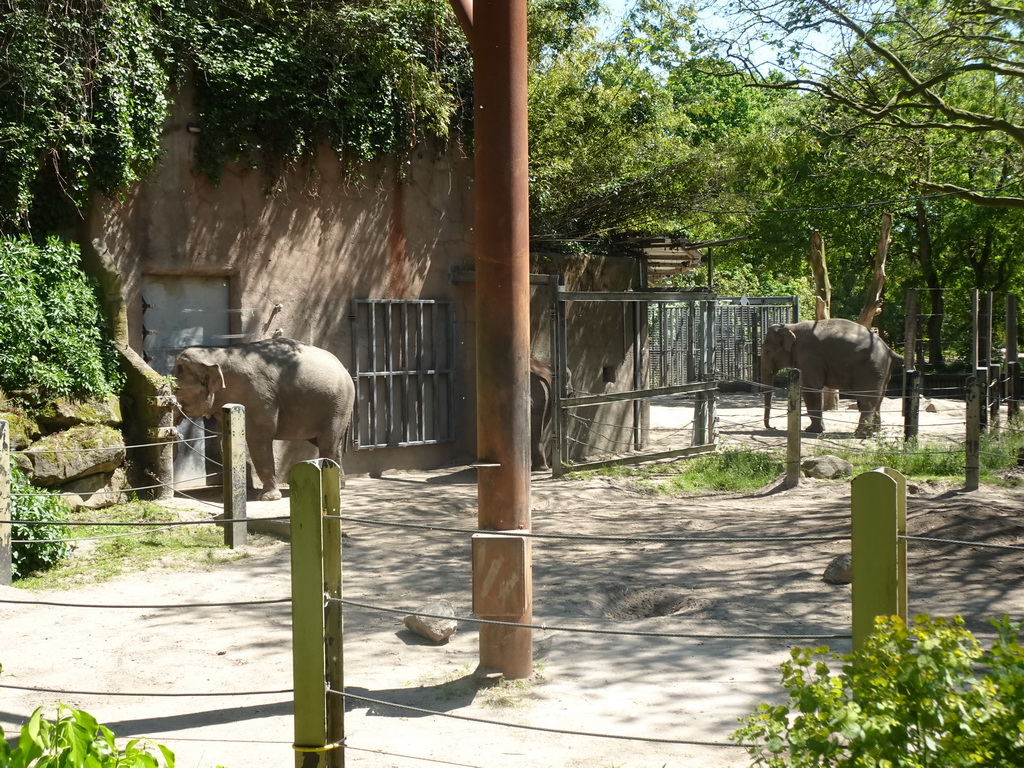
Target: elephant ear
(787, 337)
(214, 378)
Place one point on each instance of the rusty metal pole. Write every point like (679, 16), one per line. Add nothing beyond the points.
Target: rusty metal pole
(502, 234)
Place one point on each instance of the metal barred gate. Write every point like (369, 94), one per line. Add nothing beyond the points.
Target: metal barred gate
(624, 403)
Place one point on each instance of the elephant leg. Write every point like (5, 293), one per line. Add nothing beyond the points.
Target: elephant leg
(812, 397)
(330, 445)
(870, 416)
(261, 453)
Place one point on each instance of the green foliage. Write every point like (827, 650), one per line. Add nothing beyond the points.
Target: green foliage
(84, 94)
(914, 696)
(82, 104)
(274, 80)
(51, 335)
(74, 739)
(45, 540)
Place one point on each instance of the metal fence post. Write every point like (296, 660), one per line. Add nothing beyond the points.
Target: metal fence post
(972, 445)
(793, 430)
(879, 570)
(233, 452)
(316, 572)
(6, 511)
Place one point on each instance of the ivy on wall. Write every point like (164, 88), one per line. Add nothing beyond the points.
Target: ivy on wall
(85, 89)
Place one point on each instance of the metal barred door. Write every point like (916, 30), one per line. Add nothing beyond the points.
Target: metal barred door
(404, 369)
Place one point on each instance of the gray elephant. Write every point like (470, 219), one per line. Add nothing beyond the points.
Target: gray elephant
(291, 391)
(836, 353)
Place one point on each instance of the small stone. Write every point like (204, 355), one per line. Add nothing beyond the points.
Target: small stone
(826, 467)
(839, 571)
(435, 621)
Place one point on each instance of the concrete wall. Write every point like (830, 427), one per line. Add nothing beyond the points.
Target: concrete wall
(311, 244)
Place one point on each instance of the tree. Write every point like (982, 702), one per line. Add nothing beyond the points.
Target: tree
(947, 69)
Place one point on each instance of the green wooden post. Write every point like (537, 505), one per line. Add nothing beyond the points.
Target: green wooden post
(901, 541)
(875, 513)
(308, 650)
(333, 629)
(233, 451)
(972, 444)
(6, 560)
(793, 430)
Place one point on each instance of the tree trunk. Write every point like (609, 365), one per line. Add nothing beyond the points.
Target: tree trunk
(873, 301)
(931, 279)
(823, 302)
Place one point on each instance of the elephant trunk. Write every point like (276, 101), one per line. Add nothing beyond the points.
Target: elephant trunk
(767, 378)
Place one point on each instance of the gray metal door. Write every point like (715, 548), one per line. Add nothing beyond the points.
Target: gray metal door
(179, 312)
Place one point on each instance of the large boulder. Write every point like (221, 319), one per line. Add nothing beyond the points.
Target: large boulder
(81, 451)
(63, 414)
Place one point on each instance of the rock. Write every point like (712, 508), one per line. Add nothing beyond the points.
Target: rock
(96, 491)
(930, 407)
(63, 414)
(826, 467)
(21, 429)
(839, 570)
(437, 630)
(77, 452)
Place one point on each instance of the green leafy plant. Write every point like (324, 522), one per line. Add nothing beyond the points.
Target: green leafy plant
(41, 532)
(75, 740)
(921, 695)
(51, 336)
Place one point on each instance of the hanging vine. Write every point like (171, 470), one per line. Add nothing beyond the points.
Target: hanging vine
(85, 88)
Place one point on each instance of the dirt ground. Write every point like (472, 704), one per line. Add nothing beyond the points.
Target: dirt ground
(200, 659)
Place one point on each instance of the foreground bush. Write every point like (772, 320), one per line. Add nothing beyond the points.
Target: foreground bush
(53, 334)
(923, 695)
(76, 740)
(43, 542)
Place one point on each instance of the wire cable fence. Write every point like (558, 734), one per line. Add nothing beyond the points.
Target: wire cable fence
(612, 539)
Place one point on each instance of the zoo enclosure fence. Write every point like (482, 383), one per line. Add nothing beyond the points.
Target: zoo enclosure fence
(312, 607)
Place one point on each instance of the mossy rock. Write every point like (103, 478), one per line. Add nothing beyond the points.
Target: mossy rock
(69, 413)
(22, 429)
(87, 449)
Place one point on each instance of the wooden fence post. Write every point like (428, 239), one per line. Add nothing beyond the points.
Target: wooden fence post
(1013, 392)
(316, 572)
(6, 510)
(878, 513)
(794, 416)
(995, 393)
(911, 404)
(972, 446)
(233, 452)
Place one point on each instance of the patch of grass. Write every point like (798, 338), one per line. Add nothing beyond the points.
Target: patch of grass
(108, 550)
(938, 461)
(726, 471)
(507, 693)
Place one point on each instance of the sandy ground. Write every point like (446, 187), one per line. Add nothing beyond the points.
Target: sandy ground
(200, 659)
